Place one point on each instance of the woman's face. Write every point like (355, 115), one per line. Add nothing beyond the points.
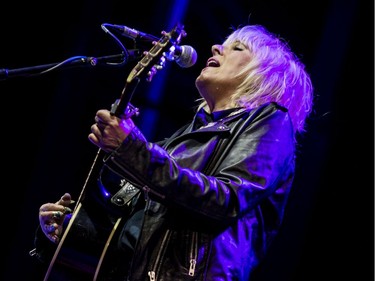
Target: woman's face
(219, 79)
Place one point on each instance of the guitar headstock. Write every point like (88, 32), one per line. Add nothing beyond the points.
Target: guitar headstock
(155, 58)
(150, 63)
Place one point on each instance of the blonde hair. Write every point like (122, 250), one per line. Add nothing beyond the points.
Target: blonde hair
(275, 74)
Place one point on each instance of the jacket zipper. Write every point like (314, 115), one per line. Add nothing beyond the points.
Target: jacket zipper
(193, 254)
(152, 272)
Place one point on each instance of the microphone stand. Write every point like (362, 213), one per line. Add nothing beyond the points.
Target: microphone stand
(71, 62)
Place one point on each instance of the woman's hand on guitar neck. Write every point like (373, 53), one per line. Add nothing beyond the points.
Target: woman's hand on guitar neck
(52, 216)
(109, 131)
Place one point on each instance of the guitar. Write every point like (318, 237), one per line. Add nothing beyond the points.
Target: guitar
(81, 258)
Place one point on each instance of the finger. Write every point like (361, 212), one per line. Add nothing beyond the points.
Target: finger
(103, 114)
(50, 217)
(65, 200)
(63, 211)
(100, 121)
(92, 138)
(99, 127)
(66, 210)
(96, 129)
(54, 238)
(54, 232)
(56, 215)
(43, 208)
(48, 207)
(97, 119)
(50, 228)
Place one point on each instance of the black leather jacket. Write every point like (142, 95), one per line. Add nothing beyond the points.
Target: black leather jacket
(214, 196)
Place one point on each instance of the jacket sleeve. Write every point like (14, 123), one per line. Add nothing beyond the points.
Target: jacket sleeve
(259, 163)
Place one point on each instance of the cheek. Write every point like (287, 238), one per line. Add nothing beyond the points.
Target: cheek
(233, 74)
(235, 66)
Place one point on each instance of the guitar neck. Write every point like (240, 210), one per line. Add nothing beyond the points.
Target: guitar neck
(122, 107)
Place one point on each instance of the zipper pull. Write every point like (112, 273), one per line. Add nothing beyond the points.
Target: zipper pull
(146, 189)
(151, 274)
(33, 252)
(193, 262)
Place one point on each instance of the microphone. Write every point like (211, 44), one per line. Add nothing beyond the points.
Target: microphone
(134, 34)
(185, 56)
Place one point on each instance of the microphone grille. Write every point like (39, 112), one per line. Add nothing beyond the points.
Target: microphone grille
(188, 56)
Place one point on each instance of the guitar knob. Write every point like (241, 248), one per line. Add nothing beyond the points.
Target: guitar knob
(119, 201)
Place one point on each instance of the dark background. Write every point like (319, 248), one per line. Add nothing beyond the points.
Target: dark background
(45, 119)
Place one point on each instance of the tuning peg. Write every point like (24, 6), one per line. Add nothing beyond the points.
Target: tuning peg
(151, 74)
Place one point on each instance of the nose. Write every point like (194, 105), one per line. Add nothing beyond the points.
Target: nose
(216, 49)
